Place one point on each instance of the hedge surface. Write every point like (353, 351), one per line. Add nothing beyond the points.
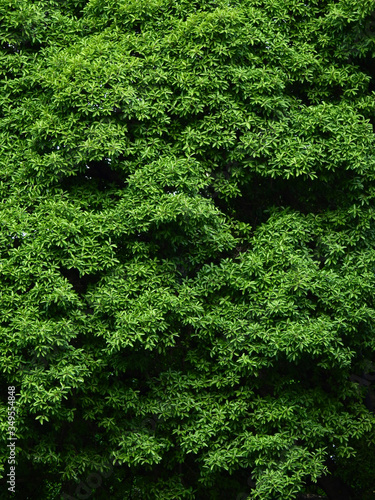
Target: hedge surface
(187, 248)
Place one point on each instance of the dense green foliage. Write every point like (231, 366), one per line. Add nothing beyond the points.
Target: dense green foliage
(188, 247)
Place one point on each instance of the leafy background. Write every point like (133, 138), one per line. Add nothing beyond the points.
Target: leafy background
(187, 247)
